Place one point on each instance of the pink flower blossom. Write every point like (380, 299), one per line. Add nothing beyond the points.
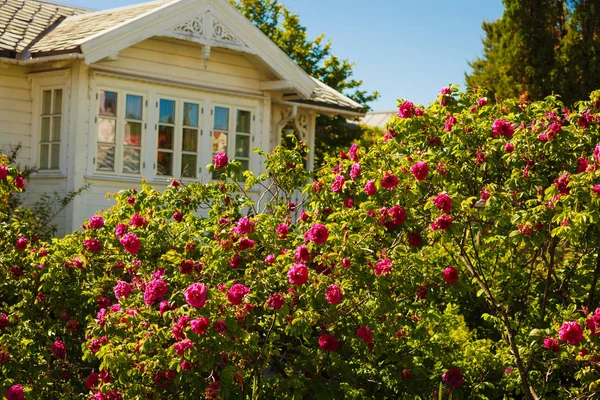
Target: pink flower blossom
(370, 188)
(593, 322)
(282, 231)
(270, 259)
(352, 153)
(138, 221)
(200, 325)
(509, 147)
(298, 274)
(122, 290)
(244, 226)
(96, 222)
(562, 184)
(415, 239)
(443, 202)
(443, 222)
(334, 294)
(19, 182)
(349, 203)
(92, 380)
(346, 262)
(482, 101)
(454, 378)
(317, 234)
(131, 243)
(3, 172)
(383, 267)
(246, 243)
(182, 346)
(93, 245)
(406, 109)
(236, 294)
(59, 350)
(582, 164)
(502, 127)
(596, 189)
(178, 216)
(302, 253)
(389, 181)
(571, 332)
(276, 301)
(195, 295)
(597, 152)
(328, 342)
(365, 333)
(155, 291)
(120, 230)
(15, 392)
(451, 275)
(354, 171)
(420, 170)
(419, 112)
(220, 160)
(338, 183)
(22, 243)
(450, 121)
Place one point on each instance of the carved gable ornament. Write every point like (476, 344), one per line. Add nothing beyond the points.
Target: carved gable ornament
(207, 29)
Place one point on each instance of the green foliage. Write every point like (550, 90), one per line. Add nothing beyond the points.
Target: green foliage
(539, 48)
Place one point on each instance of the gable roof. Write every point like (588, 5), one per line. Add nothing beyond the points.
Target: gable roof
(32, 29)
(24, 21)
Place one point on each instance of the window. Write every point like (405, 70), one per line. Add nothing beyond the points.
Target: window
(178, 138)
(119, 133)
(240, 128)
(51, 125)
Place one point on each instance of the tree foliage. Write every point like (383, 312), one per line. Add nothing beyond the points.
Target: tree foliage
(541, 47)
(315, 57)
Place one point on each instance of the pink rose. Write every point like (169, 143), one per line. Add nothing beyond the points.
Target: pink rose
(22, 243)
(220, 160)
(122, 289)
(482, 101)
(338, 183)
(419, 112)
(200, 325)
(155, 291)
(92, 380)
(502, 127)
(443, 222)
(349, 203)
(582, 164)
(302, 253)
(15, 392)
(551, 344)
(246, 243)
(59, 350)
(365, 334)
(415, 239)
(596, 189)
(93, 245)
(317, 234)
(389, 181)
(131, 243)
(195, 295)
(571, 332)
(182, 346)
(509, 147)
(276, 301)
(450, 121)
(236, 294)
(454, 378)
(562, 184)
(443, 202)
(20, 182)
(420, 170)
(352, 153)
(244, 226)
(406, 109)
(451, 275)
(96, 222)
(383, 267)
(120, 230)
(298, 274)
(370, 188)
(282, 231)
(178, 216)
(334, 294)
(138, 221)
(328, 342)
(354, 171)
(270, 259)
(4, 322)
(3, 172)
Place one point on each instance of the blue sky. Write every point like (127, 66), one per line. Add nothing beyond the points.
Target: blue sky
(402, 49)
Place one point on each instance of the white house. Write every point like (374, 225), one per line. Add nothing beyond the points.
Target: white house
(150, 91)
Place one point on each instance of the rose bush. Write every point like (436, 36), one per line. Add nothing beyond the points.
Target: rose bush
(434, 263)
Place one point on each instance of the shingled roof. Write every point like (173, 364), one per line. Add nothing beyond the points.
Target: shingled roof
(66, 36)
(24, 21)
(325, 96)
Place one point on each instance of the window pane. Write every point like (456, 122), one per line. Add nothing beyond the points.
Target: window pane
(56, 128)
(105, 159)
(106, 130)
(55, 156)
(222, 118)
(164, 163)
(167, 111)
(243, 121)
(190, 140)
(131, 161)
(165, 137)
(47, 102)
(133, 134)
(188, 166)
(58, 101)
(45, 129)
(133, 107)
(44, 149)
(242, 146)
(108, 103)
(244, 167)
(219, 142)
(190, 114)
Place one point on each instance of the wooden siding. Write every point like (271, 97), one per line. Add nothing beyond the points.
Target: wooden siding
(15, 110)
(183, 62)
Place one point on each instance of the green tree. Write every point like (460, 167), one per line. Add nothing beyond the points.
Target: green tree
(315, 57)
(540, 47)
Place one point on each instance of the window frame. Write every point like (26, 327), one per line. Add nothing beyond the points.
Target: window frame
(51, 142)
(233, 132)
(121, 121)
